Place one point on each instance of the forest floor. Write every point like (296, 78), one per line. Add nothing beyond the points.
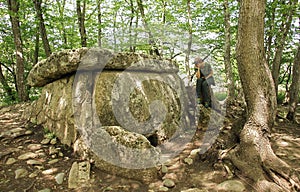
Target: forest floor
(31, 159)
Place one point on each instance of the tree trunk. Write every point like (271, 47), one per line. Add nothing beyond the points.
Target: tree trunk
(187, 58)
(5, 85)
(36, 47)
(39, 13)
(295, 88)
(153, 50)
(81, 21)
(254, 156)
(62, 29)
(280, 42)
(99, 23)
(227, 55)
(13, 7)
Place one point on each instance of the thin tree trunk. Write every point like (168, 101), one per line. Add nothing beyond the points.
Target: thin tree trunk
(81, 21)
(153, 49)
(37, 46)
(99, 23)
(254, 156)
(187, 58)
(227, 55)
(43, 31)
(61, 9)
(5, 85)
(131, 47)
(295, 88)
(280, 42)
(13, 7)
(270, 33)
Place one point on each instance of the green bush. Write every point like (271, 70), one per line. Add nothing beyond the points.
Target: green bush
(280, 97)
(220, 95)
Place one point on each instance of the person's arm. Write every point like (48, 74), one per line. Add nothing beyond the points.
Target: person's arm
(210, 74)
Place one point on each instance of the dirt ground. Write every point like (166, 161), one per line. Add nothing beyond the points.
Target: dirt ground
(19, 137)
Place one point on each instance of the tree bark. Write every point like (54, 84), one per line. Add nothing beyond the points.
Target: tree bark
(295, 88)
(13, 7)
(190, 22)
(153, 49)
(254, 156)
(62, 29)
(39, 13)
(81, 21)
(280, 42)
(227, 55)
(99, 16)
(5, 85)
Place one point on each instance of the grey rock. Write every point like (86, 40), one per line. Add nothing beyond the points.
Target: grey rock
(163, 188)
(10, 161)
(28, 155)
(59, 178)
(79, 175)
(34, 146)
(45, 141)
(20, 173)
(188, 161)
(53, 161)
(194, 190)
(164, 169)
(169, 183)
(33, 162)
(231, 185)
(45, 190)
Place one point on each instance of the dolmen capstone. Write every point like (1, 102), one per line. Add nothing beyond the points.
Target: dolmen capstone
(123, 111)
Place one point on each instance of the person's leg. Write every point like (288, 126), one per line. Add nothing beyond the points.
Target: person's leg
(206, 94)
(198, 90)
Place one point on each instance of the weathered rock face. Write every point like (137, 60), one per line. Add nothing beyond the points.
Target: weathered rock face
(109, 107)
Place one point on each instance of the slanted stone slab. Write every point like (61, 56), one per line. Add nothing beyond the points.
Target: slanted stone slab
(59, 64)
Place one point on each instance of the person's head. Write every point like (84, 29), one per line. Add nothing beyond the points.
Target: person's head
(198, 62)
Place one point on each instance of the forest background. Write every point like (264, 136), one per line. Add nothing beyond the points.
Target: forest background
(177, 30)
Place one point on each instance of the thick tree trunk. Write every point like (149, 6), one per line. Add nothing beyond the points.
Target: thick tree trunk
(227, 55)
(254, 156)
(13, 7)
(295, 88)
(81, 21)
(38, 7)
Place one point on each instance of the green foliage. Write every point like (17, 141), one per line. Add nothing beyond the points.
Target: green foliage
(167, 21)
(221, 96)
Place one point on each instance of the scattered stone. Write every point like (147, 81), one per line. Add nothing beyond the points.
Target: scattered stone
(60, 154)
(33, 162)
(10, 161)
(164, 169)
(162, 188)
(53, 141)
(59, 178)
(53, 150)
(79, 174)
(45, 190)
(171, 176)
(28, 132)
(45, 141)
(50, 171)
(194, 190)
(169, 183)
(19, 173)
(34, 146)
(34, 174)
(231, 185)
(28, 155)
(53, 161)
(188, 161)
